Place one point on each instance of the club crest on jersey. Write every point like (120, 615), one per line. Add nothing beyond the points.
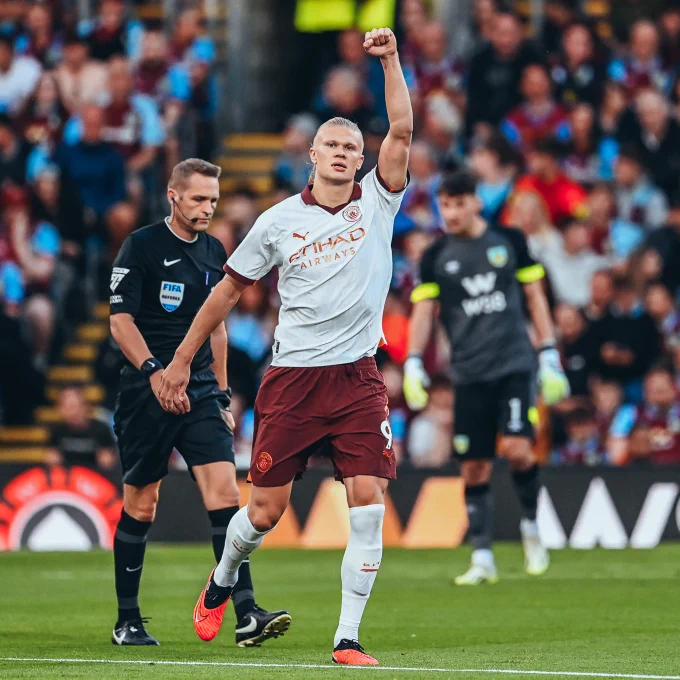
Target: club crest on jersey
(171, 295)
(352, 213)
(498, 256)
(461, 444)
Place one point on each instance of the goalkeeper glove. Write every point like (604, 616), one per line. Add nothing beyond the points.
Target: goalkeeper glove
(415, 382)
(553, 381)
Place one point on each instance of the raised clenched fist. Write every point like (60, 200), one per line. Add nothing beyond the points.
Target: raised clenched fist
(380, 42)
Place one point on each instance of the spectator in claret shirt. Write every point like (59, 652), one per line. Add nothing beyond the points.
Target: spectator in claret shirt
(584, 445)
(495, 74)
(638, 201)
(659, 140)
(565, 199)
(643, 66)
(578, 76)
(650, 431)
(539, 117)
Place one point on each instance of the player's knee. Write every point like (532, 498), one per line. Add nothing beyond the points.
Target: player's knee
(225, 496)
(364, 490)
(517, 451)
(264, 516)
(142, 504)
(475, 472)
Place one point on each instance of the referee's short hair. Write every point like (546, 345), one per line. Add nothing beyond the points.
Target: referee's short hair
(459, 183)
(192, 166)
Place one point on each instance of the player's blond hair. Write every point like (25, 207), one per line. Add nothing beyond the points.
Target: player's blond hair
(340, 121)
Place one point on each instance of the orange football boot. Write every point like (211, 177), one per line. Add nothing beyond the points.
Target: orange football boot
(351, 653)
(207, 621)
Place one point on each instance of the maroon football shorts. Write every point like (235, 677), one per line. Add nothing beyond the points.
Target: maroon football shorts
(337, 410)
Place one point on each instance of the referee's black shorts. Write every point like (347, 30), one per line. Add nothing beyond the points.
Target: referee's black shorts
(484, 410)
(147, 434)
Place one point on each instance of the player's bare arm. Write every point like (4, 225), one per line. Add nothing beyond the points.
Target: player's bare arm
(220, 302)
(134, 347)
(219, 346)
(539, 312)
(393, 159)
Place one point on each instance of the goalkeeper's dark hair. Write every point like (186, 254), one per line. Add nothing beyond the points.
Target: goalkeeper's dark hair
(459, 183)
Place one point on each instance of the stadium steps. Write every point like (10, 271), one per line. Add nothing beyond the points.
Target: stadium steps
(248, 161)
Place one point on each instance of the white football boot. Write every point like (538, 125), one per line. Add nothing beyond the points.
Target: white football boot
(482, 570)
(536, 556)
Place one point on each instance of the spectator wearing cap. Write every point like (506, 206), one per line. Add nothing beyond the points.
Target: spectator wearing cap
(565, 199)
(496, 163)
(638, 201)
(539, 117)
(660, 305)
(643, 66)
(627, 340)
(293, 165)
(40, 40)
(495, 74)
(649, 431)
(80, 79)
(578, 76)
(659, 140)
(18, 76)
(571, 265)
(419, 207)
(92, 167)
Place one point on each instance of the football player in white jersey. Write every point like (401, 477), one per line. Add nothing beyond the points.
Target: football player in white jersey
(331, 245)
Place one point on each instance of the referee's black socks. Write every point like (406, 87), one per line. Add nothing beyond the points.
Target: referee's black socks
(129, 545)
(527, 485)
(243, 596)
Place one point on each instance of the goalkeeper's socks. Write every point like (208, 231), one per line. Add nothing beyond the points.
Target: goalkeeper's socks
(527, 484)
(479, 504)
(129, 546)
(359, 568)
(242, 538)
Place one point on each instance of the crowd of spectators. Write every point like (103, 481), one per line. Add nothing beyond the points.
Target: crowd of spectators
(92, 115)
(574, 133)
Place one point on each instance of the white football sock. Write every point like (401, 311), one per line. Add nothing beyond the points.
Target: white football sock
(242, 539)
(359, 567)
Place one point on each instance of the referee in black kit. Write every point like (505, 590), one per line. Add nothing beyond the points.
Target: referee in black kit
(160, 279)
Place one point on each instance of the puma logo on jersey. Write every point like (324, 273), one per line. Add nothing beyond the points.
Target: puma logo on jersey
(296, 235)
(479, 284)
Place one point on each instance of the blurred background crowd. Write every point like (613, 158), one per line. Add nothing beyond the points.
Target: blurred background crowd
(573, 126)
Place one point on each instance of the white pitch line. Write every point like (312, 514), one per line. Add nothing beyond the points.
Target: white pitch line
(488, 671)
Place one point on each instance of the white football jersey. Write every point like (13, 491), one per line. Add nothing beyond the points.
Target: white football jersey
(335, 267)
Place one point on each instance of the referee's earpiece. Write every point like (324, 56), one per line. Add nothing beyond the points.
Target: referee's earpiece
(193, 220)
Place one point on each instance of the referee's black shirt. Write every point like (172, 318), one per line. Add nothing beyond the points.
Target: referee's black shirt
(162, 280)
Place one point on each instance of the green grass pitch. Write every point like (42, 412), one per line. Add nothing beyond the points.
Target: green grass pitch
(603, 612)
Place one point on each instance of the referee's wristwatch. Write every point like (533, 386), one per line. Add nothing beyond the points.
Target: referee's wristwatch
(150, 366)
